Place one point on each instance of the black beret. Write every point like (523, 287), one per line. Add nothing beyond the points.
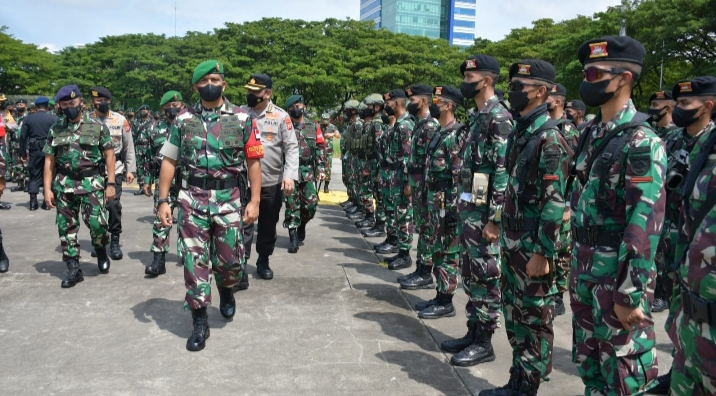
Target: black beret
(100, 92)
(143, 107)
(559, 90)
(500, 94)
(661, 95)
(699, 86)
(419, 89)
(449, 92)
(611, 48)
(534, 69)
(576, 105)
(480, 63)
(21, 100)
(258, 82)
(394, 94)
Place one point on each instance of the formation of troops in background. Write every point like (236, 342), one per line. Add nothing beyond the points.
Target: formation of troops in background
(525, 202)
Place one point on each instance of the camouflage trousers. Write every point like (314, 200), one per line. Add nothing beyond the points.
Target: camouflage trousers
(564, 258)
(19, 168)
(388, 202)
(665, 252)
(210, 241)
(481, 270)
(377, 188)
(160, 234)
(443, 244)
(300, 205)
(421, 215)
(329, 160)
(365, 186)
(356, 170)
(528, 306)
(94, 215)
(403, 212)
(611, 360)
(346, 175)
(694, 369)
(140, 160)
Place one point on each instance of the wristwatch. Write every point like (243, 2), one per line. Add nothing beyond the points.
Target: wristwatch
(113, 184)
(161, 201)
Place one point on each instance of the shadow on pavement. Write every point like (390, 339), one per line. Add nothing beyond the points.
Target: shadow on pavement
(169, 315)
(59, 268)
(562, 361)
(358, 254)
(405, 328)
(388, 294)
(146, 219)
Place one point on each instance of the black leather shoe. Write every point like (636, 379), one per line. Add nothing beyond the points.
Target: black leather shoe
(442, 309)
(5, 206)
(421, 281)
(18, 187)
(368, 222)
(427, 304)
(403, 278)
(74, 273)
(661, 385)
(243, 283)
(511, 389)
(387, 248)
(4, 260)
(402, 261)
(559, 308)
(198, 337)
(459, 344)
(33, 202)
(292, 240)
(102, 260)
(262, 268)
(227, 304)
(158, 265)
(378, 230)
(301, 233)
(359, 214)
(140, 192)
(479, 352)
(325, 188)
(44, 205)
(659, 305)
(114, 251)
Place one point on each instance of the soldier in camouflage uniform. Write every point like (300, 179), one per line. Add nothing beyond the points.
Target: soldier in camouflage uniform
(130, 117)
(537, 164)
(692, 323)
(301, 203)
(350, 117)
(329, 132)
(661, 107)
(4, 260)
(172, 103)
(358, 159)
(575, 111)
(8, 127)
(482, 192)
(75, 146)
(618, 209)
(142, 125)
(376, 130)
(556, 101)
(216, 144)
(397, 152)
(19, 166)
(373, 129)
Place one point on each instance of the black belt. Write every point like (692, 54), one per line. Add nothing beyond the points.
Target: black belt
(440, 185)
(697, 308)
(595, 237)
(521, 224)
(212, 184)
(36, 140)
(303, 162)
(78, 174)
(416, 170)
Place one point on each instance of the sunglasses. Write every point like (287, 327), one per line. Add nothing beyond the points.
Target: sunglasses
(518, 86)
(593, 74)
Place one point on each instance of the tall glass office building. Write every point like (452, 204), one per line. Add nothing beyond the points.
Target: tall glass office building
(452, 20)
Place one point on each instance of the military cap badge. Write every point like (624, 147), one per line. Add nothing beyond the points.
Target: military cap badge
(523, 69)
(554, 89)
(685, 86)
(72, 94)
(95, 94)
(217, 66)
(660, 95)
(253, 81)
(438, 90)
(409, 92)
(598, 50)
(470, 64)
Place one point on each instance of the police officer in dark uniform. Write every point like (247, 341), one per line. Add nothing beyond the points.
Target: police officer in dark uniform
(33, 134)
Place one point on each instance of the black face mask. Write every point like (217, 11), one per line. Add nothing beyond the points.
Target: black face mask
(143, 114)
(683, 118)
(386, 120)
(434, 111)
(71, 112)
(253, 100)
(20, 110)
(130, 116)
(370, 112)
(210, 92)
(413, 109)
(519, 100)
(469, 90)
(296, 113)
(570, 117)
(346, 118)
(656, 114)
(171, 112)
(3, 106)
(595, 94)
(102, 107)
(389, 111)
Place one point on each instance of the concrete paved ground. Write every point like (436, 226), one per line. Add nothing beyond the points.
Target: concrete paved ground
(332, 322)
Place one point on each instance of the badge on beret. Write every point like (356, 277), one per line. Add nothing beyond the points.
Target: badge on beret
(685, 87)
(660, 95)
(569, 104)
(252, 81)
(598, 50)
(95, 94)
(554, 89)
(217, 66)
(470, 64)
(386, 96)
(409, 92)
(523, 69)
(72, 94)
(438, 90)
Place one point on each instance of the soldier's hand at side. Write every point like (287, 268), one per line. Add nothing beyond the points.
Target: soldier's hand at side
(130, 177)
(566, 216)
(537, 266)
(109, 193)
(407, 191)
(491, 231)
(147, 192)
(251, 213)
(50, 199)
(322, 176)
(628, 316)
(366, 172)
(287, 185)
(2, 185)
(164, 212)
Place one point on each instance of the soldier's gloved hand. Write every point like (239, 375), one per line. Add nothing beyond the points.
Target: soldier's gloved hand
(50, 198)
(452, 219)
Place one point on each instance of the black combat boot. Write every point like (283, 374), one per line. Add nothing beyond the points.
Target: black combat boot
(511, 389)
(559, 308)
(33, 202)
(345, 204)
(158, 265)
(390, 246)
(403, 278)
(4, 260)
(351, 210)
(389, 240)
(659, 304)
(140, 191)
(243, 283)
(262, 267)
(301, 233)
(292, 240)
(74, 273)
(102, 260)
(423, 280)
(442, 309)
(377, 231)
(480, 351)
(358, 214)
(227, 304)
(19, 187)
(114, 251)
(6, 206)
(198, 337)
(325, 187)
(367, 222)
(661, 385)
(459, 344)
(25, 184)
(402, 261)
(426, 304)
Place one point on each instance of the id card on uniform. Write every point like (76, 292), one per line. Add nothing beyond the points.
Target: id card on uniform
(467, 197)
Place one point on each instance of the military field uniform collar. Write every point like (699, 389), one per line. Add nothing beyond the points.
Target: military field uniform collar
(624, 116)
(225, 108)
(489, 104)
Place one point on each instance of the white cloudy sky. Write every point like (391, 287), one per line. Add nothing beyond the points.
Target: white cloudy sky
(62, 23)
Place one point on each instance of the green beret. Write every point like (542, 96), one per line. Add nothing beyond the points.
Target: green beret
(52, 102)
(171, 96)
(207, 67)
(293, 100)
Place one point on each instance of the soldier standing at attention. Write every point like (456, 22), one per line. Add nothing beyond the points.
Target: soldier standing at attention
(75, 147)
(356, 167)
(19, 162)
(350, 115)
(302, 202)
(576, 110)
(329, 132)
(618, 206)
(142, 124)
(215, 143)
(172, 104)
(537, 164)
(483, 179)
(661, 107)
(124, 155)
(32, 140)
(374, 130)
(4, 260)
